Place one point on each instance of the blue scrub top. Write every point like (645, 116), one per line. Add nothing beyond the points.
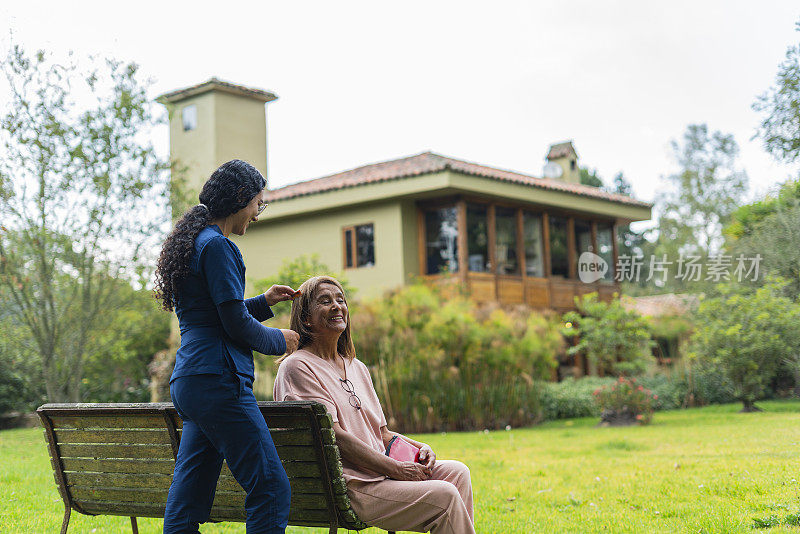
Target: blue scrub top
(217, 276)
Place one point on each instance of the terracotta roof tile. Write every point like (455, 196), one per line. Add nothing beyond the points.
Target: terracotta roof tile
(561, 150)
(660, 305)
(215, 83)
(427, 163)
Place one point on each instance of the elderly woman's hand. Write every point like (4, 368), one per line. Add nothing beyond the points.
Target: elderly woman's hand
(410, 471)
(426, 456)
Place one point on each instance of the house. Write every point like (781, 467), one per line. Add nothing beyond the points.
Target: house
(505, 236)
(670, 317)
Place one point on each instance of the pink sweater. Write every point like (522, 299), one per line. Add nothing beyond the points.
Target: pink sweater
(306, 376)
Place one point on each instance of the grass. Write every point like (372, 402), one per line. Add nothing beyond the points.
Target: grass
(701, 470)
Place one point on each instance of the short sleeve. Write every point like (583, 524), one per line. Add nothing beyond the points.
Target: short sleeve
(296, 382)
(223, 269)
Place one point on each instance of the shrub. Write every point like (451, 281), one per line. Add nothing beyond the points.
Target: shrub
(708, 384)
(571, 398)
(447, 364)
(615, 340)
(669, 393)
(625, 402)
(747, 334)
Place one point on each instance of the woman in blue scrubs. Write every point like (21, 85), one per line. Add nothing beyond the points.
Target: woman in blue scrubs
(200, 275)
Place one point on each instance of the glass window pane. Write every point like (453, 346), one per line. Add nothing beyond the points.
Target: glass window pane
(506, 243)
(583, 239)
(559, 259)
(477, 239)
(189, 117)
(605, 248)
(348, 247)
(441, 241)
(534, 255)
(365, 246)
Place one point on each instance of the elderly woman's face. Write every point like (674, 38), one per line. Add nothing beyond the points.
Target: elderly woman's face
(328, 311)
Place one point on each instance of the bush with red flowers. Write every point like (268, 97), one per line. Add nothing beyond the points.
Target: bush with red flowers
(625, 403)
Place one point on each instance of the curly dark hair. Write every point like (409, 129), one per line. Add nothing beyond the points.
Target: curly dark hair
(230, 188)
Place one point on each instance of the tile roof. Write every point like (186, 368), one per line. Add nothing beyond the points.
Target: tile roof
(561, 150)
(660, 305)
(427, 163)
(220, 85)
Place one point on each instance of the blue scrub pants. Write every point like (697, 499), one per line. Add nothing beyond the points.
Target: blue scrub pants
(221, 420)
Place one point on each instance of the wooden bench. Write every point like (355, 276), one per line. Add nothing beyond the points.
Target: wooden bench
(118, 459)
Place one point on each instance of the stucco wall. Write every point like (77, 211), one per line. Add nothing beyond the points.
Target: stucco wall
(228, 127)
(194, 149)
(268, 244)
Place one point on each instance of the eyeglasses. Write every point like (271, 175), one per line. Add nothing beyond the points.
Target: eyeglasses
(261, 207)
(355, 402)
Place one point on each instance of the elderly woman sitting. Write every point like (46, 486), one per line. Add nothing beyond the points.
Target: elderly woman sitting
(429, 495)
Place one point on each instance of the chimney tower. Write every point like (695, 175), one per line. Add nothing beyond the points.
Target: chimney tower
(214, 122)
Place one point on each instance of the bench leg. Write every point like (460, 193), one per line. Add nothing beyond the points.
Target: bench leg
(134, 526)
(65, 523)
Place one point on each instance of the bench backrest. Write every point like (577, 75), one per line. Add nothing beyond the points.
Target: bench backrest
(118, 459)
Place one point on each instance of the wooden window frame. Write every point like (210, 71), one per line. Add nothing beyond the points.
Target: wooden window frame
(354, 246)
(460, 203)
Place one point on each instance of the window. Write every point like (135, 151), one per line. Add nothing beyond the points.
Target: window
(359, 246)
(506, 243)
(605, 248)
(534, 254)
(477, 239)
(583, 238)
(572, 164)
(441, 241)
(559, 257)
(189, 117)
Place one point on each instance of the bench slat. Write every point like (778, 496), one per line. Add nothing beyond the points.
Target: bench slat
(283, 436)
(100, 422)
(299, 485)
(126, 465)
(288, 421)
(311, 517)
(100, 450)
(312, 501)
(293, 469)
(127, 436)
(119, 480)
(218, 513)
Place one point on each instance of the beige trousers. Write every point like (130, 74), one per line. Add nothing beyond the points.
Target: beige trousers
(440, 505)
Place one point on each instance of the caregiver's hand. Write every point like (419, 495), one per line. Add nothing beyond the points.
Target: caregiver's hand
(277, 294)
(292, 340)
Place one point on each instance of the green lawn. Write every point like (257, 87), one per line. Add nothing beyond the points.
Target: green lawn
(700, 470)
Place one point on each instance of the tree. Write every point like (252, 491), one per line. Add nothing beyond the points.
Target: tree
(705, 191)
(747, 334)
(780, 127)
(83, 198)
(630, 242)
(613, 339)
(116, 370)
(770, 229)
(590, 177)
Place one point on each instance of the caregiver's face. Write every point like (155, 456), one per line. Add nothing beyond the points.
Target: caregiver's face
(248, 214)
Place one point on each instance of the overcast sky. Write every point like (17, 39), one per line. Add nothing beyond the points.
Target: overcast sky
(495, 83)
